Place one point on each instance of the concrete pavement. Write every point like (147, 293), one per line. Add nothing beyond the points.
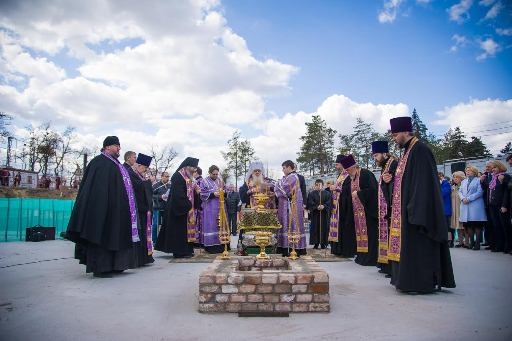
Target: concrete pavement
(46, 295)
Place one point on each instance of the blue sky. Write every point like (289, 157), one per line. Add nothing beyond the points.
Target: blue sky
(341, 47)
(188, 74)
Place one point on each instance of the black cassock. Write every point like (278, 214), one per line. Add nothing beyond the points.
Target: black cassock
(367, 194)
(144, 198)
(100, 223)
(425, 260)
(346, 245)
(173, 234)
(319, 231)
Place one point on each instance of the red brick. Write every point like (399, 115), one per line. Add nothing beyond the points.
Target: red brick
(265, 307)
(237, 298)
(299, 288)
(319, 288)
(286, 278)
(264, 288)
(283, 307)
(252, 279)
(271, 298)
(250, 306)
(247, 288)
(300, 307)
(321, 298)
(255, 298)
(282, 288)
(321, 277)
(233, 307)
(206, 279)
(304, 298)
(304, 278)
(269, 278)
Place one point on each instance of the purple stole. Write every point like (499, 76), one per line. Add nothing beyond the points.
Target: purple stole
(395, 232)
(149, 238)
(359, 216)
(334, 223)
(383, 222)
(191, 221)
(131, 196)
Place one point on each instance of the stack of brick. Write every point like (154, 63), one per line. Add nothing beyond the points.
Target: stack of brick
(276, 285)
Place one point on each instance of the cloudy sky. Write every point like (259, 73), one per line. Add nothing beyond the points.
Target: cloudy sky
(190, 73)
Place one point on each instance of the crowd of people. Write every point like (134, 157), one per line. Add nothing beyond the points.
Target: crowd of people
(478, 205)
(403, 223)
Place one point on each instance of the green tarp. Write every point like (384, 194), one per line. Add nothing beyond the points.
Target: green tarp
(16, 214)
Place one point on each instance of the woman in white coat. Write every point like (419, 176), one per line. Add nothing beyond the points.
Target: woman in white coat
(472, 209)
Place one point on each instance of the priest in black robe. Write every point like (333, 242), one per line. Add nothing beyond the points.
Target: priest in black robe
(144, 199)
(103, 223)
(418, 249)
(178, 234)
(383, 159)
(363, 203)
(319, 206)
(342, 236)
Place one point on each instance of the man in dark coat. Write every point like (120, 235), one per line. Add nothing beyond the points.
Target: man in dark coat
(362, 207)
(159, 189)
(319, 206)
(103, 223)
(233, 206)
(178, 231)
(380, 153)
(143, 197)
(342, 236)
(418, 243)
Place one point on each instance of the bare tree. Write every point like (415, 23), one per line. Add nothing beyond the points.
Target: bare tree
(163, 158)
(63, 149)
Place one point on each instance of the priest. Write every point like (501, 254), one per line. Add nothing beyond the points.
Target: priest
(103, 223)
(178, 231)
(342, 236)
(362, 206)
(418, 245)
(383, 159)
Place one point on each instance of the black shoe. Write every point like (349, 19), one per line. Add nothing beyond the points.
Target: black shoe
(476, 247)
(315, 247)
(388, 276)
(116, 271)
(459, 245)
(323, 247)
(485, 244)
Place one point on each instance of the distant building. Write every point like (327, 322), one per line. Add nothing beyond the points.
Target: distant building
(29, 179)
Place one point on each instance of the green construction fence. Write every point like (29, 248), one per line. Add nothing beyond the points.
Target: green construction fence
(16, 214)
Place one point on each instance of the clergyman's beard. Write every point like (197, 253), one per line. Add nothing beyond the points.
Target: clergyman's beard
(257, 180)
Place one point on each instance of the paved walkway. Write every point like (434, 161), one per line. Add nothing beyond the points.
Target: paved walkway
(46, 295)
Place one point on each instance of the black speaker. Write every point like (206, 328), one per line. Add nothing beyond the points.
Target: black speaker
(39, 233)
(458, 166)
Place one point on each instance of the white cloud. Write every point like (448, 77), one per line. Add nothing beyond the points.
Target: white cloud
(494, 11)
(490, 48)
(486, 3)
(479, 118)
(460, 42)
(389, 12)
(459, 12)
(423, 2)
(504, 31)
